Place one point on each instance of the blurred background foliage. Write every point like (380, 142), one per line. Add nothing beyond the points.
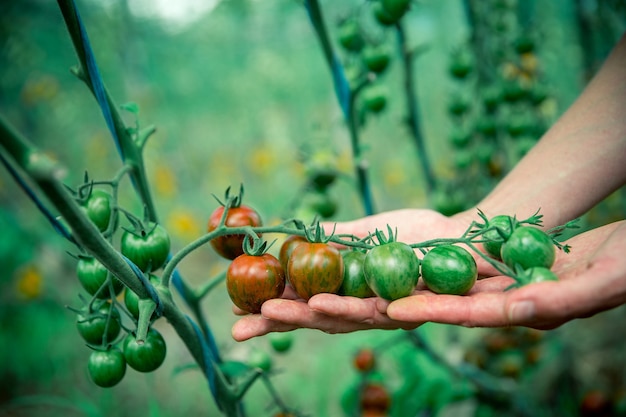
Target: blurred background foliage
(240, 93)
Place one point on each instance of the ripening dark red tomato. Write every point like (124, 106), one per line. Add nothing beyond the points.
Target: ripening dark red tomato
(364, 360)
(374, 396)
(231, 246)
(286, 249)
(315, 268)
(253, 279)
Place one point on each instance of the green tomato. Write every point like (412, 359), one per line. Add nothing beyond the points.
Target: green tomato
(391, 270)
(538, 274)
(376, 58)
(396, 8)
(354, 283)
(320, 202)
(449, 269)
(92, 275)
(350, 35)
(106, 368)
(503, 226)
(93, 326)
(148, 356)
(381, 15)
(147, 249)
(375, 98)
(99, 208)
(260, 359)
(281, 342)
(131, 299)
(528, 247)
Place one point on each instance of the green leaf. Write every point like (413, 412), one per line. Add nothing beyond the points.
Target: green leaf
(131, 107)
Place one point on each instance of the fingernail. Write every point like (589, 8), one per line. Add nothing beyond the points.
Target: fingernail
(521, 311)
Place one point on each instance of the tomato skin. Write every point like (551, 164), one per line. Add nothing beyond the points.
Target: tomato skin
(106, 368)
(92, 327)
(506, 224)
(354, 283)
(286, 249)
(148, 250)
(231, 246)
(315, 268)
(252, 280)
(99, 208)
(528, 247)
(449, 269)
(148, 356)
(92, 275)
(391, 270)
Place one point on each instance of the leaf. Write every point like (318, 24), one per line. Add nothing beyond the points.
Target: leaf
(131, 107)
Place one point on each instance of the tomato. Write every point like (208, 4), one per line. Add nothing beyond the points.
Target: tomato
(106, 367)
(354, 283)
(92, 275)
(131, 300)
(396, 8)
(321, 168)
(375, 98)
(381, 15)
(148, 249)
(315, 268)
(460, 137)
(93, 326)
(376, 58)
(538, 274)
(281, 342)
(350, 35)
(461, 65)
(364, 360)
(231, 246)
(524, 44)
(505, 224)
(374, 396)
(527, 247)
(449, 269)
(148, 356)
(458, 106)
(98, 207)
(251, 280)
(260, 359)
(286, 249)
(321, 203)
(391, 270)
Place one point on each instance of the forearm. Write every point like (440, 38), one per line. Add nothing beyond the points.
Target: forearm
(579, 161)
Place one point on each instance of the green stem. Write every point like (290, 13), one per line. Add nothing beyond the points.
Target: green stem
(413, 119)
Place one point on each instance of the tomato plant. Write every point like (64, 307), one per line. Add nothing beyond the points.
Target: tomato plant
(148, 248)
(313, 268)
(93, 327)
(99, 208)
(92, 275)
(391, 268)
(146, 356)
(527, 247)
(449, 269)
(354, 283)
(231, 246)
(106, 367)
(253, 279)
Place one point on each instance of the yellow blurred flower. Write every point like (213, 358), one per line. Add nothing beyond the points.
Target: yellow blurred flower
(262, 160)
(165, 181)
(29, 283)
(182, 224)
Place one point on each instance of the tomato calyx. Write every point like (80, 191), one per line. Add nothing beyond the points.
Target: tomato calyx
(385, 239)
(316, 233)
(255, 246)
(230, 201)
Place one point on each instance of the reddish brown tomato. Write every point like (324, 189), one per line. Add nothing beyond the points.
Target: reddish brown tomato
(375, 397)
(315, 268)
(365, 360)
(287, 248)
(231, 246)
(252, 280)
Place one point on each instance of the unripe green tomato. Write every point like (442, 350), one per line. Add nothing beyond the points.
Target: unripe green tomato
(106, 368)
(460, 138)
(391, 270)
(281, 342)
(375, 98)
(149, 355)
(92, 275)
(99, 208)
(528, 247)
(147, 249)
(260, 359)
(396, 8)
(321, 203)
(93, 327)
(494, 239)
(354, 283)
(350, 35)
(539, 274)
(131, 300)
(381, 15)
(449, 269)
(376, 58)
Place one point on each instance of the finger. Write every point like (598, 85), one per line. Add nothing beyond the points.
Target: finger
(255, 325)
(349, 308)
